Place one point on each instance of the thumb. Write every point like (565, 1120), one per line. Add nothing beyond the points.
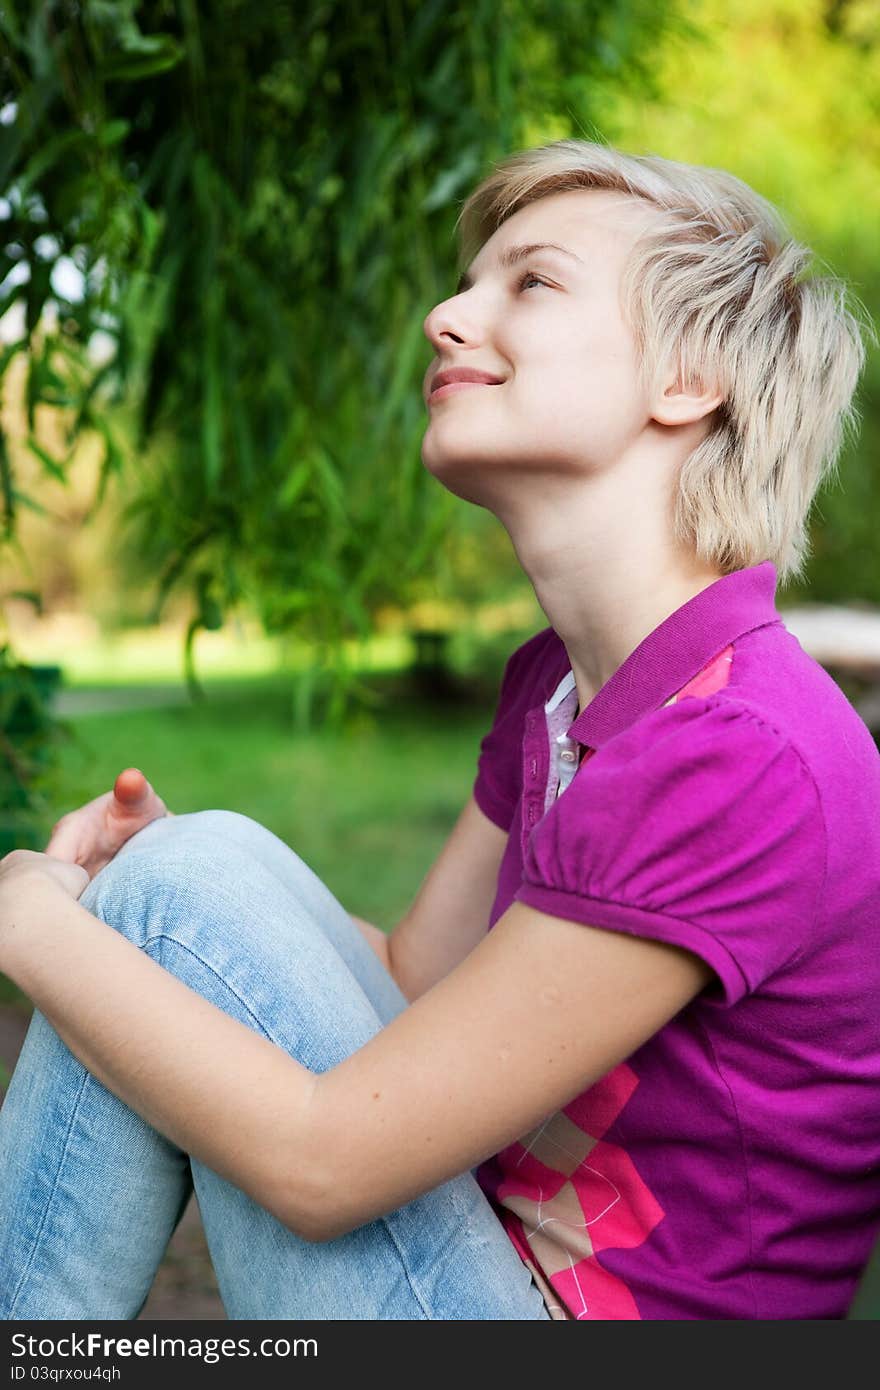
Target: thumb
(131, 788)
(64, 842)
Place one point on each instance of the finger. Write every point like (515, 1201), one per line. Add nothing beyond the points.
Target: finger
(64, 842)
(73, 878)
(131, 787)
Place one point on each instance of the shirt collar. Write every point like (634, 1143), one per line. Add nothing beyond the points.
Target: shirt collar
(677, 650)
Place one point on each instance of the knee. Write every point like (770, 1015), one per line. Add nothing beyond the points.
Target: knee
(182, 875)
(227, 825)
(139, 887)
(170, 870)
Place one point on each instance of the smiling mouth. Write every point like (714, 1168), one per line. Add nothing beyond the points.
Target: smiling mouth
(447, 390)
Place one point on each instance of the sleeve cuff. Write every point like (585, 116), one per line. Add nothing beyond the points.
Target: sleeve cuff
(635, 921)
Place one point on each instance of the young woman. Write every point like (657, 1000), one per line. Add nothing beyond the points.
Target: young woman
(621, 1058)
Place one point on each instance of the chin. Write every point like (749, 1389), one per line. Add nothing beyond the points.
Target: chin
(464, 477)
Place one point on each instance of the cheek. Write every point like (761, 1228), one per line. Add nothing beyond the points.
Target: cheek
(605, 370)
(586, 399)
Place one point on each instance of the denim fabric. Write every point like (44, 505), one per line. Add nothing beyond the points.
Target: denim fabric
(90, 1194)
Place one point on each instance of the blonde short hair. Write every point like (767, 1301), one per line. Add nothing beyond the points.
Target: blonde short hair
(720, 289)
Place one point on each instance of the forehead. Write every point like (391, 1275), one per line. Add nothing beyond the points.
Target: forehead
(593, 223)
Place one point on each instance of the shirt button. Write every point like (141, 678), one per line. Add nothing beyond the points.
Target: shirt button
(568, 755)
(533, 769)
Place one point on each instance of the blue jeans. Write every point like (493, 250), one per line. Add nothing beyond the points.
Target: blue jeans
(90, 1194)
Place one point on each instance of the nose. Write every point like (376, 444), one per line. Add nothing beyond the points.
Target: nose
(446, 323)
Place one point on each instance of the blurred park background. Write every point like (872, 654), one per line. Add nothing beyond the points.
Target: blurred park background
(221, 228)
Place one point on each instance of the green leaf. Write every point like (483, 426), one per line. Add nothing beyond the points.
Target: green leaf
(52, 465)
(111, 132)
(196, 690)
(32, 104)
(210, 612)
(10, 351)
(212, 428)
(333, 491)
(6, 303)
(297, 481)
(451, 180)
(28, 596)
(48, 156)
(211, 615)
(6, 489)
(162, 53)
(23, 499)
(111, 463)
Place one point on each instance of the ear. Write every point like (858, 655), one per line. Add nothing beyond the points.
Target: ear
(677, 404)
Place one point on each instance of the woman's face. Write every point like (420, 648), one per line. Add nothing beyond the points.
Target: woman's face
(549, 325)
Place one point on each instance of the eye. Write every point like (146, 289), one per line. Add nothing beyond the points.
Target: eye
(529, 275)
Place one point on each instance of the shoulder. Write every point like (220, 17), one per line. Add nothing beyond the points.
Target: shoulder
(721, 730)
(700, 825)
(699, 788)
(719, 760)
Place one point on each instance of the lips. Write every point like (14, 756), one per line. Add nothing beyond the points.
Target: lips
(449, 376)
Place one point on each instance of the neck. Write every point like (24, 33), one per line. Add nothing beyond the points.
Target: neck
(604, 565)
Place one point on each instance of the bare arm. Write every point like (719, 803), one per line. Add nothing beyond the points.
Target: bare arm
(444, 1085)
(450, 913)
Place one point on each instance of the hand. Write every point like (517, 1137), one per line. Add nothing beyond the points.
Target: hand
(92, 835)
(22, 865)
(24, 875)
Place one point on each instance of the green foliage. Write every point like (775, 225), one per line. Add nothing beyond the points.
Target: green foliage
(260, 200)
(29, 743)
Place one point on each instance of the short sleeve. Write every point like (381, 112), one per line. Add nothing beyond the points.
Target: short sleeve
(499, 766)
(700, 826)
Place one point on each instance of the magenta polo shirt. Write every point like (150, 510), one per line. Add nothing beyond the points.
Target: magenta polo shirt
(721, 794)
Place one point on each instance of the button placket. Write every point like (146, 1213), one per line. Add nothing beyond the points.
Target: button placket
(567, 756)
(562, 751)
(534, 774)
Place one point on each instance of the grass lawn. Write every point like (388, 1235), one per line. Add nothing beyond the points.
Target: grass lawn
(368, 807)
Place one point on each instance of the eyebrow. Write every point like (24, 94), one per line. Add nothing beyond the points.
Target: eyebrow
(514, 254)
